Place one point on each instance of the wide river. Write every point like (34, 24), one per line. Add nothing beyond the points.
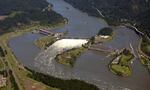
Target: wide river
(91, 66)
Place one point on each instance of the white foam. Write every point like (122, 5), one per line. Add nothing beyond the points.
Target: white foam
(69, 43)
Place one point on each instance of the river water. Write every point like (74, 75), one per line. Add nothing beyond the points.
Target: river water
(91, 66)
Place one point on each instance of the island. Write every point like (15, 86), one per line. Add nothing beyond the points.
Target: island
(69, 57)
(120, 64)
(104, 34)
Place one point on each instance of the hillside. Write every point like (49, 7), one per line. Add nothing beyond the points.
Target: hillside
(15, 13)
(133, 10)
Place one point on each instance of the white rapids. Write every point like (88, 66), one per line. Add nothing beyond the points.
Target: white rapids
(45, 60)
(69, 43)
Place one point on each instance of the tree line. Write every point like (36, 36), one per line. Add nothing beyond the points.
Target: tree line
(62, 84)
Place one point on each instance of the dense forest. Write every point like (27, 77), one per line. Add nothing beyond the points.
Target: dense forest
(105, 32)
(8, 6)
(22, 12)
(62, 84)
(133, 10)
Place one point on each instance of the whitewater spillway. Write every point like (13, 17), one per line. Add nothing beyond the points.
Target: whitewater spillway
(46, 58)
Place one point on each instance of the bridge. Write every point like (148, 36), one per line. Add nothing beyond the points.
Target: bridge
(45, 32)
(59, 35)
(134, 28)
(101, 48)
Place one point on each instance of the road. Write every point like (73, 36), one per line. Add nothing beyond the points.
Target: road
(9, 57)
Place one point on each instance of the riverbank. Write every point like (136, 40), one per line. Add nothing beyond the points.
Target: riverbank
(19, 73)
(23, 73)
(144, 58)
(145, 46)
(62, 84)
(120, 65)
(17, 69)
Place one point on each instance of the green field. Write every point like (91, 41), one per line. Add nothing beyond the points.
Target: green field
(121, 70)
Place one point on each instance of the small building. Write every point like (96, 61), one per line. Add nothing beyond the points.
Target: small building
(58, 35)
(3, 81)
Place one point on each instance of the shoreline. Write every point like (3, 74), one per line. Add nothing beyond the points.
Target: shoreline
(12, 60)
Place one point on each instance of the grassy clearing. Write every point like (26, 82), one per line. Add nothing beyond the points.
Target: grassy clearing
(125, 59)
(68, 58)
(45, 42)
(122, 68)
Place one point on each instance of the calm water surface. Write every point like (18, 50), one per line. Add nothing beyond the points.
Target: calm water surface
(91, 66)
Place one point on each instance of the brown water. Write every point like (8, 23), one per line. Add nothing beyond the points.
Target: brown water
(91, 66)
